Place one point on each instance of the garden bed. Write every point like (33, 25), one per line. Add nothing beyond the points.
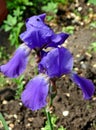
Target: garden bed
(81, 113)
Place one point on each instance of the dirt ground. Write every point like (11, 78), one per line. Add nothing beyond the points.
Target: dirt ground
(81, 113)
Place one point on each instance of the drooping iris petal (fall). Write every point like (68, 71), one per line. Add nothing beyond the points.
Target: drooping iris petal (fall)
(84, 84)
(38, 35)
(17, 63)
(35, 94)
(57, 62)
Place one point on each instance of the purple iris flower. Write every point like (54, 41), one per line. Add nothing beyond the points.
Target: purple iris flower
(55, 63)
(38, 35)
(35, 94)
(18, 63)
(52, 65)
(84, 84)
(58, 62)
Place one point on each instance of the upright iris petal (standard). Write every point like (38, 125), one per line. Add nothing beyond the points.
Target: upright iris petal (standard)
(38, 35)
(57, 62)
(35, 94)
(85, 84)
(17, 64)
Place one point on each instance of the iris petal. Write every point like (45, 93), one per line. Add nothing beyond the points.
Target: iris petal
(32, 38)
(58, 39)
(35, 93)
(38, 35)
(85, 84)
(57, 62)
(42, 16)
(17, 64)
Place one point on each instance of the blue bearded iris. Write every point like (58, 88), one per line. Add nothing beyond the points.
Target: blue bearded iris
(56, 63)
(59, 62)
(37, 36)
(52, 65)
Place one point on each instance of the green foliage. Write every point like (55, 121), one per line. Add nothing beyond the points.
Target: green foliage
(92, 47)
(38, 4)
(20, 86)
(51, 8)
(14, 20)
(3, 122)
(54, 119)
(92, 2)
(62, 1)
(3, 54)
(11, 5)
(68, 29)
(93, 24)
(61, 128)
(3, 81)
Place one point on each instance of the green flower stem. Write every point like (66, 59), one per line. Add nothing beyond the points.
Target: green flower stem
(49, 119)
(3, 122)
(53, 92)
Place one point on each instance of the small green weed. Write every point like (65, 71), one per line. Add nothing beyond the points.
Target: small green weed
(93, 24)
(2, 81)
(51, 8)
(92, 47)
(62, 1)
(20, 86)
(92, 2)
(54, 119)
(61, 128)
(14, 25)
(3, 54)
(68, 29)
(14, 21)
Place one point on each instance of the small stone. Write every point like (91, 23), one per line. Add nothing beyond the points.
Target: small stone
(81, 23)
(15, 116)
(79, 8)
(1, 125)
(65, 113)
(11, 125)
(28, 125)
(30, 119)
(78, 55)
(76, 69)
(67, 94)
(18, 121)
(94, 65)
(88, 55)
(81, 62)
(10, 128)
(4, 102)
(20, 103)
(94, 98)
